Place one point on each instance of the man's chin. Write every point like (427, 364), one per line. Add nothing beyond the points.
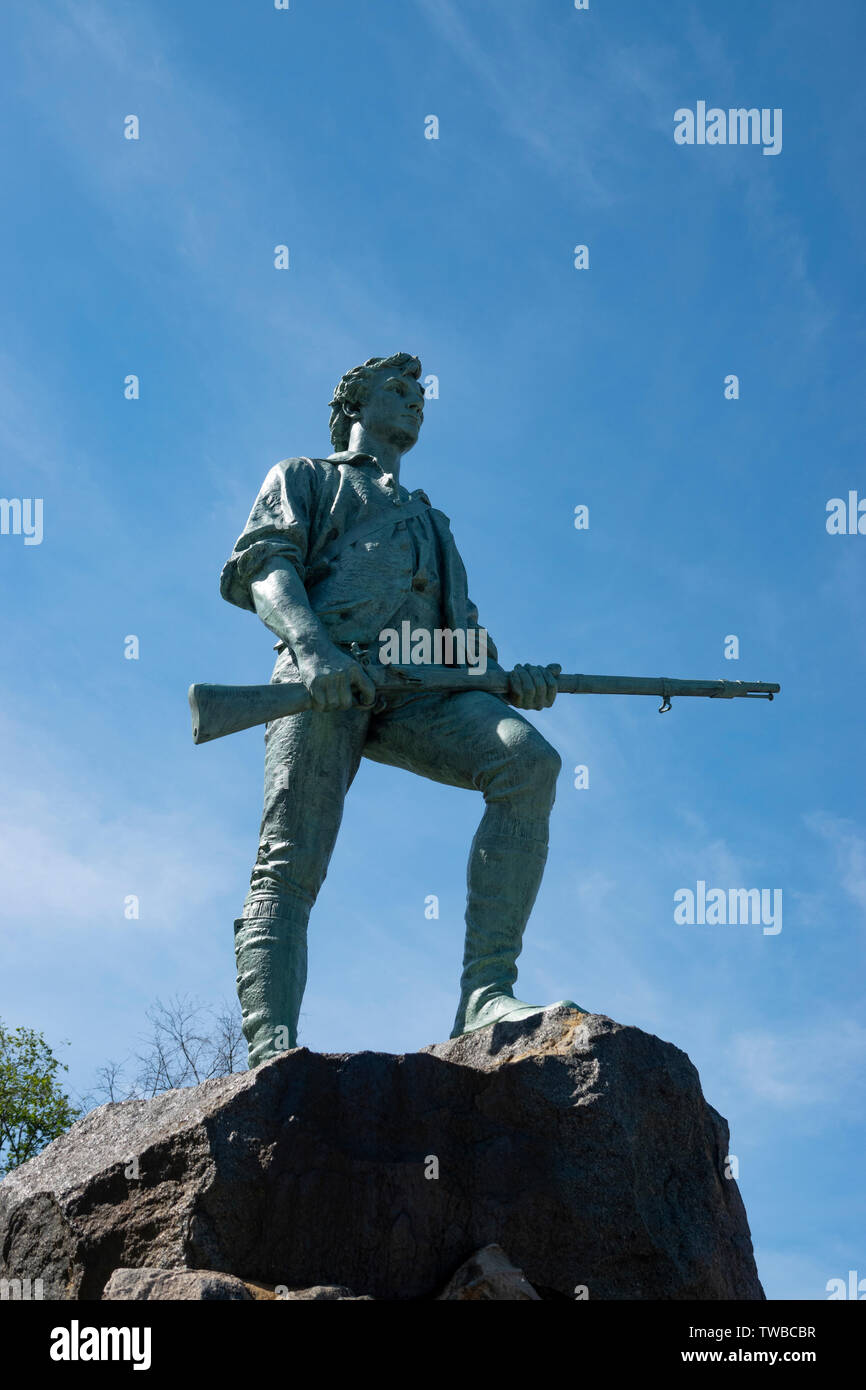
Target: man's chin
(406, 439)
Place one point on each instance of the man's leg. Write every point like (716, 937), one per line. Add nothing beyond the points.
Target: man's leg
(476, 741)
(310, 762)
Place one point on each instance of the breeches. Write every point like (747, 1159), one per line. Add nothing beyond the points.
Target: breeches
(472, 740)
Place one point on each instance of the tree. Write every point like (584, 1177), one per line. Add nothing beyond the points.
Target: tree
(33, 1106)
(189, 1042)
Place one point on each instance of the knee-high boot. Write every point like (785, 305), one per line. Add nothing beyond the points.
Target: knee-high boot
(503, 879)
(271, 955)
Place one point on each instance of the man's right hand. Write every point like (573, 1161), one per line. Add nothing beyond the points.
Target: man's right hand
(333, 678)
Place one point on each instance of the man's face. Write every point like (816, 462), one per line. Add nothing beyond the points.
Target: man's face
(394, 409)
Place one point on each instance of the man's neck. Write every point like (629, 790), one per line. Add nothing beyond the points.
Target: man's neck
(388, 456)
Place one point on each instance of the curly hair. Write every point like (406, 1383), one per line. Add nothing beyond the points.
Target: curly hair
(354, 388)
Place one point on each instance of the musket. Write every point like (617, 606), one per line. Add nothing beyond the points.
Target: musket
(218, 710)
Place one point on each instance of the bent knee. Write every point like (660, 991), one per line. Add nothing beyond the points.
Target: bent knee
(542, 760)
(531, 759)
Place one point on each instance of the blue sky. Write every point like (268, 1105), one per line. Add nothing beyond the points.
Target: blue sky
(557, 387)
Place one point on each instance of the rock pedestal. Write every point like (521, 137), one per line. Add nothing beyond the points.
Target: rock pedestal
(582, 1148)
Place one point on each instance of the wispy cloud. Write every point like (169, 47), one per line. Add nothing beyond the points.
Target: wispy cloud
(805, 1066)
(848, 844)
(71, 851)
(559, 107)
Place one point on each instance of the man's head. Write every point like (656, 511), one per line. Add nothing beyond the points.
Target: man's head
(385, 396)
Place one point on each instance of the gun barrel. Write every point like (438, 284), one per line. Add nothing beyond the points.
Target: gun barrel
(666, 686)
(218, 710)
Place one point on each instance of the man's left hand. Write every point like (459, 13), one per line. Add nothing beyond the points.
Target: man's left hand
(532, 687)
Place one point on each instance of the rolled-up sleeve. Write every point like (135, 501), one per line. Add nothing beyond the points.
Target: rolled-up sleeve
(278, 529)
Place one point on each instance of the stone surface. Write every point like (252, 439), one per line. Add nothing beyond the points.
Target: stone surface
(583, 1148)
(203, 1286)
(174, 1284)
(489, 1277)
(326, 1292)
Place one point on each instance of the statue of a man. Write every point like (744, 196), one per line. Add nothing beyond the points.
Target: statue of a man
(335, 551)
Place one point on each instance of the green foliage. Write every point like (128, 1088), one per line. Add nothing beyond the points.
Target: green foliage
(33, 1107)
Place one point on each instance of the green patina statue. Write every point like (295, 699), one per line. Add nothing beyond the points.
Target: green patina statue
(380, 655)
(335, 552)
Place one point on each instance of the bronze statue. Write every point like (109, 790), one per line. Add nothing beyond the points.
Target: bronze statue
(335, 555)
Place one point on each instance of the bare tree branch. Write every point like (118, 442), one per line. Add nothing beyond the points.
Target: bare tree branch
(188, 1042)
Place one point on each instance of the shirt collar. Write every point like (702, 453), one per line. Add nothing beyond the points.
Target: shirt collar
(357, 460)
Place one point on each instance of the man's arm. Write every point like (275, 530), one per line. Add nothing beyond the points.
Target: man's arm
(328, 673)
